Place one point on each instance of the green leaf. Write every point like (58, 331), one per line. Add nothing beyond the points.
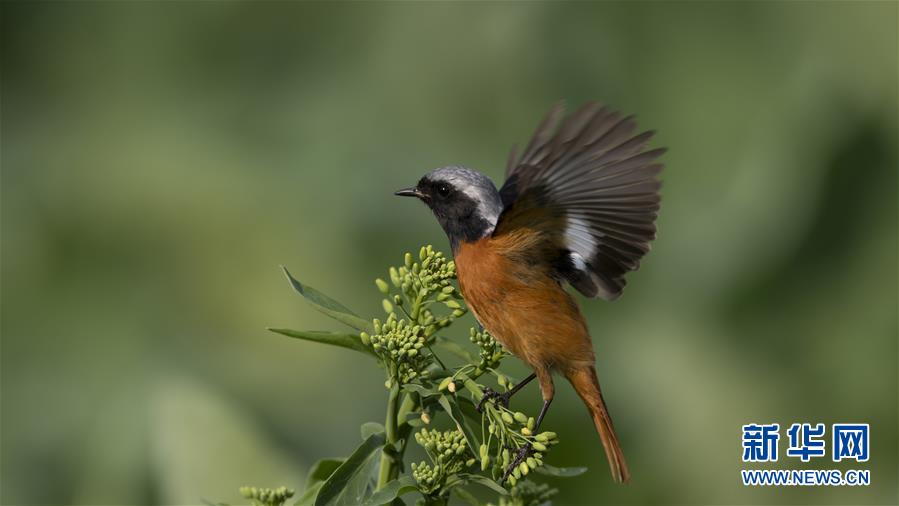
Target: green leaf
(452, 409)
(327, 305)
(369, 428)
(392, 490)
(418, 389)
(467, 496)
(483, 480)
(349, 482)
(562, 472)
(455, 348)
(308, 497)
(322, 470)
(469, 410)
(349, 341)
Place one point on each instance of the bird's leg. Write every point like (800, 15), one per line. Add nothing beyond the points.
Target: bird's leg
(502, 399)
(526, 450)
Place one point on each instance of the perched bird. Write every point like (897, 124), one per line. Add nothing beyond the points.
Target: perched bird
(578, 206)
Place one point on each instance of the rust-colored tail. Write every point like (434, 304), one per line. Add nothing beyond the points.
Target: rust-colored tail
(587, 386)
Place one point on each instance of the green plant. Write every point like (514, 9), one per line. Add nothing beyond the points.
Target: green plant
(424, 388)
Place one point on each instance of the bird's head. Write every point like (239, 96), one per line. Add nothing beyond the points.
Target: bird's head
(465, 202)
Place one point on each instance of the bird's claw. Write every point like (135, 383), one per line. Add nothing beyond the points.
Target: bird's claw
(492, 395)
(523, 453)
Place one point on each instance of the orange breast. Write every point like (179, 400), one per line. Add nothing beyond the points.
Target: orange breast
(521, 304)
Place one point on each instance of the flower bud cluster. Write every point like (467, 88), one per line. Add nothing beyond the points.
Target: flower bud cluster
(449, 453)
(429, 478)
(515, 430)
(267, 496)
(401, 346)
(491, 352)
(418, 281)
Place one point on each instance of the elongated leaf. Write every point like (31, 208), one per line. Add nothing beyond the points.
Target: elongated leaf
(322, 470)
(349, 341)
(418, 389)
(369, 428)
(455, 348)
(467, 496)
(562, 472)
(349, 482)
(452, 409)
(327, 305)
(308, 497)
(392, 490)
(483, 480)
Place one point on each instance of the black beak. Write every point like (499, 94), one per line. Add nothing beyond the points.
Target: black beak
(410, 192)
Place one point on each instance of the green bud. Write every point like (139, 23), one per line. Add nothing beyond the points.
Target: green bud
(507, 417)
(366, 339)
(452, 304)
(382, 286)
(470, 462)
(483, 451)
(442, 297)
(395, 277)
(523, 467)
(458, 313)
(525, 431)
(445, 383)
(407, 260)
(513, 480)
(397, 300)
(540, 447)
(423, 253)
(425, 417)
(521, 417)
(531, 463)
(502, 380)
(451, 387)
(531, 423)
(388, 307)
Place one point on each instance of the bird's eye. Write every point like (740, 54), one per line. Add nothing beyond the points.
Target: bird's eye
(443, 190)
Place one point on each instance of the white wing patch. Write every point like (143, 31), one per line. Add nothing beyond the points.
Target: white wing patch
(579, 237)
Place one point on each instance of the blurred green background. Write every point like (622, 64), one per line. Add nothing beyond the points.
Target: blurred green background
(160, 160)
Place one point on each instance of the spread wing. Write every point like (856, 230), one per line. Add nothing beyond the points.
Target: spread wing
(589, 186)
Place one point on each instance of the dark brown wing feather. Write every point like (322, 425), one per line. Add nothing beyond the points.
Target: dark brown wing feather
(592, 174)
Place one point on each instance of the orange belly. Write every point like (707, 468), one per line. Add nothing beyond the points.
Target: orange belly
(522, 305)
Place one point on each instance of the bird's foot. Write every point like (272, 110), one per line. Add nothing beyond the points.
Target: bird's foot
(497, 398)
(515, 466)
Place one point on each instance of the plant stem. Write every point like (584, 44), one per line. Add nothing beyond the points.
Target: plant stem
(388, 460)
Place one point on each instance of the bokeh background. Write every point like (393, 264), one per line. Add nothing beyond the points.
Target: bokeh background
(160, 160)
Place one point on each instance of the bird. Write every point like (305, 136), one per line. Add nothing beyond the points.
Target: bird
(578, 207)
